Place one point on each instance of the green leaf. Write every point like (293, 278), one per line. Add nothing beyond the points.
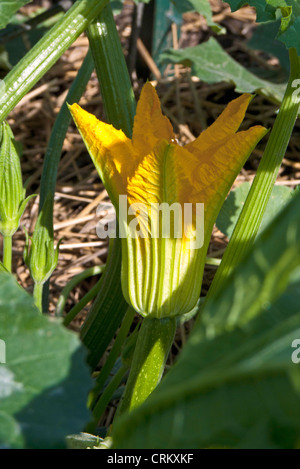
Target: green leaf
(8, 8)
(233, 205)
(116, 6)
(270, 10)
(4, 61)
(212, 64)
(264, 11)
(245, 396)
(291, 37)
(45, 381)
(263, 39)
(234, 384)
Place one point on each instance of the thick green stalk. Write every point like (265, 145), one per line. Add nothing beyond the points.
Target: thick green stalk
(7, 252)
(109, 307)
(251, 216)
(46, 52)
(55, 144)
(115, 84)
(58, 134)
(154, 341)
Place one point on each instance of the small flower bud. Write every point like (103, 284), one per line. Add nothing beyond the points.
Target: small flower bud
(12, 193)
(41, 257)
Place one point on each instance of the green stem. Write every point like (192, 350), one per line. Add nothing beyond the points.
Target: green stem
(7, 252)
(112, 357)
(58, 134)
(82, 303)
(57, 137)
(115, 84)
(38, 295)
(251, 216)
(107, 310)
(154, 341)
(108, 392)
(109, 306)
(212, 261)
(46, 52)
(61, 303)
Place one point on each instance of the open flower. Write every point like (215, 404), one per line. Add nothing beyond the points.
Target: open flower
(161, 269)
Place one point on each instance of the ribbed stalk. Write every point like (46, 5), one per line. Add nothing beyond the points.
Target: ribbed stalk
(154, 342)
(57, 137)
(109, 307)
(46, 52)
(58, 134)
(250, 218)
(115, 84)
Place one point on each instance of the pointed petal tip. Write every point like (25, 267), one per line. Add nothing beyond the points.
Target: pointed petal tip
(149, 88)
(150, 125)
(73, 108)
(258, 131)
(79, 114)
(227, 123)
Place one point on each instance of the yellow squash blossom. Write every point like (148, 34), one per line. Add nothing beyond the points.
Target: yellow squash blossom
(162, 273)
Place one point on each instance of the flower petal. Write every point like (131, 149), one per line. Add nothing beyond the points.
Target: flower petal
(226, 124)
(109, 148)
(154, 180)
(150, 125)
(218, 167)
